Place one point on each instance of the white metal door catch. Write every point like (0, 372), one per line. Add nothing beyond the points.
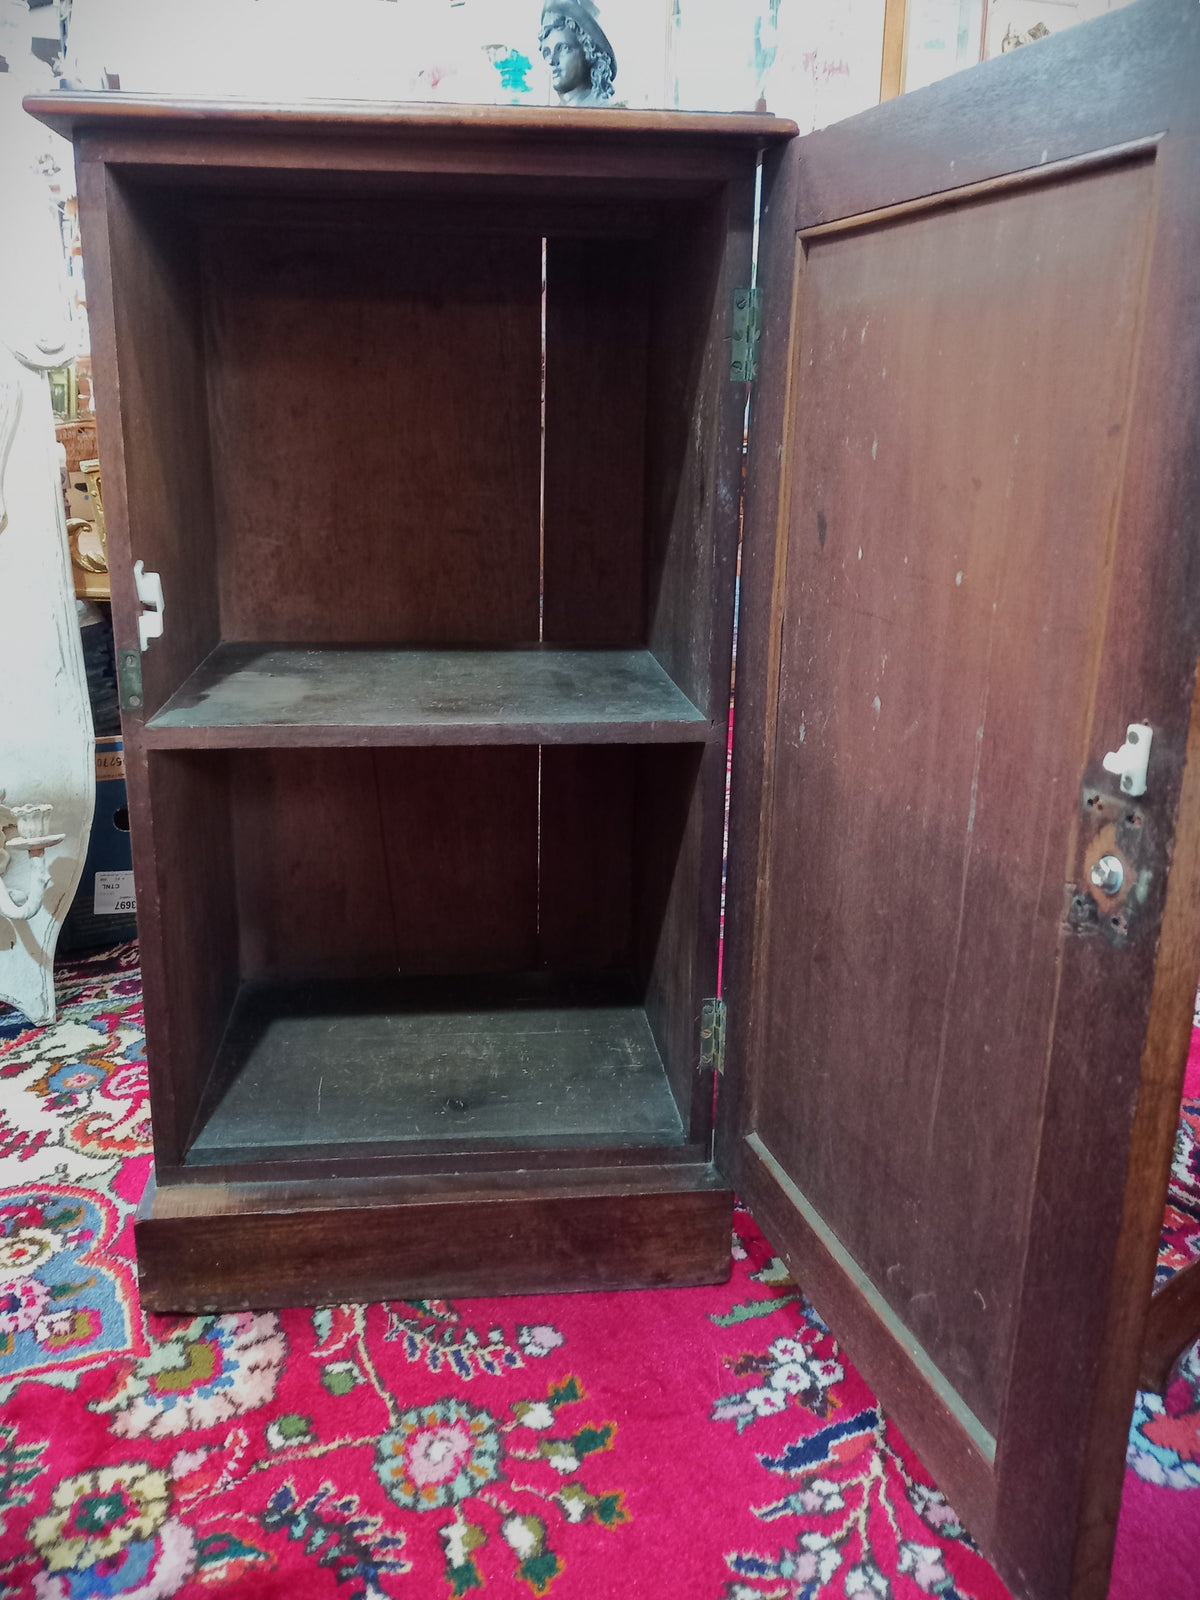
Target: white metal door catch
(1132, 759)
(150, 593)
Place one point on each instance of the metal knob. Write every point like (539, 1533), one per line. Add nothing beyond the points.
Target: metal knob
(1108, 874)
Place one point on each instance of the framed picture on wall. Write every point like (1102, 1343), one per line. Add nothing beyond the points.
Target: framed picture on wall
(925, 40)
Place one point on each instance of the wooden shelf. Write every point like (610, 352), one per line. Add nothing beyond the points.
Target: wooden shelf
(341, 1068)
(250, 695)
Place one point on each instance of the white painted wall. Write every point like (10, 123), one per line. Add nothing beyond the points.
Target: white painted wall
(693, 54)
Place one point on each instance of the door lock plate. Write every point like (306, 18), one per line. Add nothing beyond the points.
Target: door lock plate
(1114, 880)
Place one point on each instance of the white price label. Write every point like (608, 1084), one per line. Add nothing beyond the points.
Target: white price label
(113, 894)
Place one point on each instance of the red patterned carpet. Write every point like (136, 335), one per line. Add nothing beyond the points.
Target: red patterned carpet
(708, 1443)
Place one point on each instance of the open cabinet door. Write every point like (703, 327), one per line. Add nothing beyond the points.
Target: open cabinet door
(961, 955)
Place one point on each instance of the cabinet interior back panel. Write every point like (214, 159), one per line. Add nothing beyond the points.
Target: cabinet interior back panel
(598, 295)
(370, 862)
(375, 419)
(455, 860)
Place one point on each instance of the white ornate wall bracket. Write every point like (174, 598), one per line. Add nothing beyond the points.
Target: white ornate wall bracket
(24, 833)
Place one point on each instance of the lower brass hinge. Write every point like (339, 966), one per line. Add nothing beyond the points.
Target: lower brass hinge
(712, 1035)
(129, 679)
(747, 331)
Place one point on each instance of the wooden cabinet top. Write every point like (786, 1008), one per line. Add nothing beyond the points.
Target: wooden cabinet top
(71, 112)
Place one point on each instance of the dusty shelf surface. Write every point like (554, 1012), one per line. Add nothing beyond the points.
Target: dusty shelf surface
(245, 694)
(314, 1066)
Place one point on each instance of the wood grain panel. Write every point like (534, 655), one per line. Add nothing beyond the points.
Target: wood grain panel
(588, 824)
(461, 832)
(359, 863)
(692, 526)
(184, 871)
(598, 296)
(375, 423)
(678, 889)
(1115, 1047)
(937, 651)
(144, 311)
(692, 500)
(202, 1249)
(312, 878)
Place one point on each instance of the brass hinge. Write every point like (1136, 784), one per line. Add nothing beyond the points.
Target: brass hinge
(129, 679)
(712, 1035)
(747, 331)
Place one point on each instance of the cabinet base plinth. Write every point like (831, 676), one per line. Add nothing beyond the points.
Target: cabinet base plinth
(224, 1247)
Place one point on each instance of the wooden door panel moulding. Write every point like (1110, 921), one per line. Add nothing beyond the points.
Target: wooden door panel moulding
(986, 188)
(992, 119)
(829, 1279)
(825, 1239)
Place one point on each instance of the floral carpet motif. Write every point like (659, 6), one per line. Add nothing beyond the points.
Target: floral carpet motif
(711, 1443)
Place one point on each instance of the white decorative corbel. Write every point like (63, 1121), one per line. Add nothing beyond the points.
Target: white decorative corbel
(23, 831)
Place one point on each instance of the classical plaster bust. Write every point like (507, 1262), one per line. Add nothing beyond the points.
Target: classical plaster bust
(576, 49)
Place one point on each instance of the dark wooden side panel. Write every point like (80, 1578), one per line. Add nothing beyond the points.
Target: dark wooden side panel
(375, 418)
(360, 863)
(694, 444)
(764, 547)
(585, 876)
(148, 350)
(693, 481)
(597, 328)
(202, 1249)
(678, 890)
(187, 927)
